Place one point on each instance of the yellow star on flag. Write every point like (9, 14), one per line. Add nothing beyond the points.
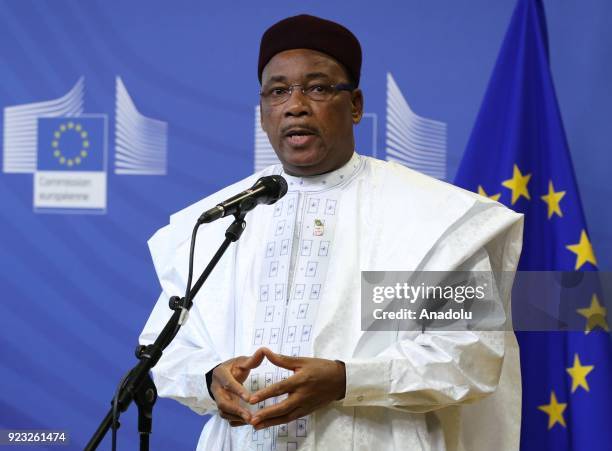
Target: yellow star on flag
(595, 315)
(583, 250)
(482, 192)
(518, 184)
(578, 372)
(552, 199)
(554, 410)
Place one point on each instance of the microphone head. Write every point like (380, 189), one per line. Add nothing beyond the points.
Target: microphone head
(275, 186)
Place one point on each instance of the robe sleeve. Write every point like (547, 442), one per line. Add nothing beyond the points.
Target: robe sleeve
(424, 371)
(180, 373)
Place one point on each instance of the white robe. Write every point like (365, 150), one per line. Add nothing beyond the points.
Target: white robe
(404, 390)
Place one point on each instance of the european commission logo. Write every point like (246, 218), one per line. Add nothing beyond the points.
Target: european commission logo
(71, 163)
(67, 150)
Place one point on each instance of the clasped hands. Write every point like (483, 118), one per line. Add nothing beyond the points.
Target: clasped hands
(314, 384)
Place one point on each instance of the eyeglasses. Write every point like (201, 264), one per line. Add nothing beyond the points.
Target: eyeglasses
(277, 95)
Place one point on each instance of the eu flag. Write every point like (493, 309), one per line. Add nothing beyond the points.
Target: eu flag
(74, 143)
(518, 154)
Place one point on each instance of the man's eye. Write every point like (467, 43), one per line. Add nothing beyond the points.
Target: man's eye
(317, 89)
(277, 92)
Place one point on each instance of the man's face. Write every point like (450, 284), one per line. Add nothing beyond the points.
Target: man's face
(310, 137)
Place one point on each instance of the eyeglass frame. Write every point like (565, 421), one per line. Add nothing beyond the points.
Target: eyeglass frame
(337, 87)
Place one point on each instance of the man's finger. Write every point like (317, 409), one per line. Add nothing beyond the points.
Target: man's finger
(236, 423)
(229, 383)
(293, 415)
(276, 410)
(280, 388)
(284, 361)
(253, 361)
(233, 408)
(230, 417)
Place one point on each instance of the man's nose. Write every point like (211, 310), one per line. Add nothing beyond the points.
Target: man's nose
(297, 104)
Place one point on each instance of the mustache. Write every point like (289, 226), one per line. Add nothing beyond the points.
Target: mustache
(299, 128)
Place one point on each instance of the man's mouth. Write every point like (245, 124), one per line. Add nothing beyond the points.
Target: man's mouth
(299, 137)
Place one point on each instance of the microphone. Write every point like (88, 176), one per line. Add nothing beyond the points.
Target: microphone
(266, 190)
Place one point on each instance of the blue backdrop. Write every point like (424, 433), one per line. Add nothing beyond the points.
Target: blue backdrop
(170, 90)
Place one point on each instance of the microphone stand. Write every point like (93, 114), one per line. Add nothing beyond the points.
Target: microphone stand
(137, 385)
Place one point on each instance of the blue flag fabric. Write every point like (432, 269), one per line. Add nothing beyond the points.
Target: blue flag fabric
(518, 154)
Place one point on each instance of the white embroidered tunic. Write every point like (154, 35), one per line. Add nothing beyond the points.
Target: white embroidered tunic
(298, 245)
(292, 284)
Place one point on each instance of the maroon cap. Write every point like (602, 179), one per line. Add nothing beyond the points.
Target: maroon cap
(314, 33)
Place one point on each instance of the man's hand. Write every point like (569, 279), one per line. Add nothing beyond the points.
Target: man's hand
(316, 383)
(226, 387)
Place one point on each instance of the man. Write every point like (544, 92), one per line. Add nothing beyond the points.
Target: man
(273, 346)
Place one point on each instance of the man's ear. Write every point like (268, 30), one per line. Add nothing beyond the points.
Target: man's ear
(261, 121)
(356, 105)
